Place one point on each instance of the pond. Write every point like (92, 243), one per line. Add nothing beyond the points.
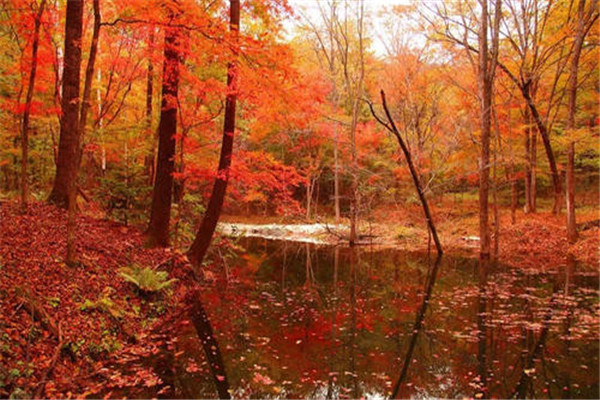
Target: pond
(305, 321)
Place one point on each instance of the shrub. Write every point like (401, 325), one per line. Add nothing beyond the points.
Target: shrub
(146, 279)
(124, 193)
(404, 232)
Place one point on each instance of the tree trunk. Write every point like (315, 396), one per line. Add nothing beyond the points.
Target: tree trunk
(570, 184)
(336, 179)
(354, 200)
(317, 187)
(179, 184)
(525, 87)
(485, 95)
(27, 111)
(160, 214)
(213, 211)
(89, 73)
(533, 164)
(495, 194)
(513, 194)
(336, 175)
(85, 106)
(354, 185)
(413, 172)
(486, 74)
(572, 109)
(87, 89)
(484, 179)
(68, 146)
(527, 178)
(149, 161)
(100, 125)
(556, 183)
(308, 196)
(510, 171)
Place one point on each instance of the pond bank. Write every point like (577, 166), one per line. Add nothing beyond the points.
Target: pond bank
(533, 240)
(317, 233)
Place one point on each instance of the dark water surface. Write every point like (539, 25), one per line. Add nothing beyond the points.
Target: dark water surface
(299, 320)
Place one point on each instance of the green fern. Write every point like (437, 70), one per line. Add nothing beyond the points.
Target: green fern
(146, 279)
(105, 304)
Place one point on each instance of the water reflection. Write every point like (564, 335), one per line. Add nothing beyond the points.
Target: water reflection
(481, 382)
(302, 321)
(397, 392)
(210, 344)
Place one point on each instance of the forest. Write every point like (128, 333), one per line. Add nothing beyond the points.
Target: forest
(299, 199)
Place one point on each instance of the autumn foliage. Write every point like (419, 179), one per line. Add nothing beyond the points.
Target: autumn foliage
(130, 129)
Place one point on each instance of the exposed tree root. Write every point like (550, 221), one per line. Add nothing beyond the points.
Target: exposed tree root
(39, 314)
(39, 393)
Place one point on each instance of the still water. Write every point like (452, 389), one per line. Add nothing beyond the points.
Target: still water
(304, 321)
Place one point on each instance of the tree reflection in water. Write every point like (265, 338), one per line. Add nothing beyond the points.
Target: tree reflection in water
(418, 326)
(209, 344)
(298, 322)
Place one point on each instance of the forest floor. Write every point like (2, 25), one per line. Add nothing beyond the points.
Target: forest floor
(63, 329)
(61, 326)
(532, 241)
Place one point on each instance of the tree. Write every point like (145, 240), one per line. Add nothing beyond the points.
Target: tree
(488, 58)
(585, 19)
(345, 53)
(207, 228)
(357, 99)
(349, 39)
(485, 66)
(89, 72)
(390, 125)
(328, 50)
(28, 99)
(149, 161)
(527, 76)
(160, 214)
(527, 28)
(418, 98)
(67, 162)
(85, 106)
